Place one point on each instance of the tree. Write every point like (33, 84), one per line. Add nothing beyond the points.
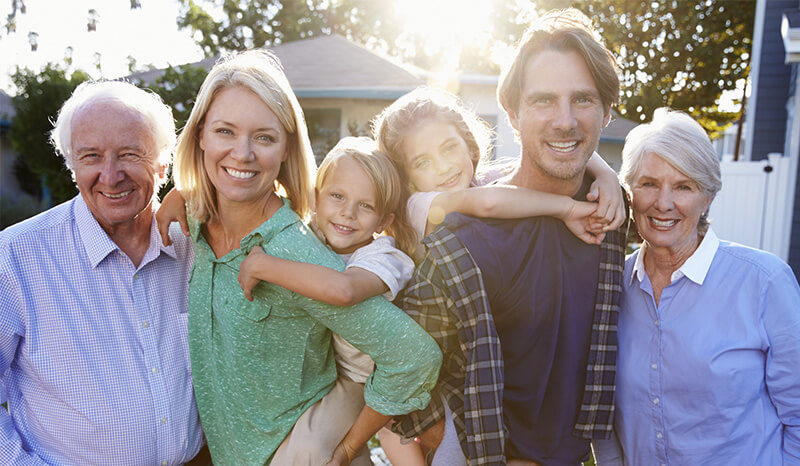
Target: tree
(247, 24)
(178, 87)
(39, 97)
(679, 53)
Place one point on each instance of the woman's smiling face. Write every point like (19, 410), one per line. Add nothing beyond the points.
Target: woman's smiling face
(243, 145)
(667, 205)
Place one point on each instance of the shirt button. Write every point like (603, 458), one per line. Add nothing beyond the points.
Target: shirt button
(147, 324)
(654, 366)
(136, 276)
(155, 370)
(164, 421)
(655, 401)
(658, 435)
(656, 322)
(164, 463)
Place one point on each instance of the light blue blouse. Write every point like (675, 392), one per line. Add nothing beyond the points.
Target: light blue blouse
(710, 375)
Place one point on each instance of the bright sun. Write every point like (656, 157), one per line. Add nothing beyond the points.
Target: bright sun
(446, 25)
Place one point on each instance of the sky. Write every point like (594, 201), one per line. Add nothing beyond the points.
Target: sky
(150, 34)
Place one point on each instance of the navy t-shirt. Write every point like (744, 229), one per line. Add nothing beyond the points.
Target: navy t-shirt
(541, 282)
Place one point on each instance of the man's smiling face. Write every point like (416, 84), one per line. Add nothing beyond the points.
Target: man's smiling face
(559, 116)
(115, 162)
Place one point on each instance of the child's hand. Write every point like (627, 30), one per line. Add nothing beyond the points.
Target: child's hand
(247, 271)
(342, 455)
(581, 221)
(610, 205)
(173, 209)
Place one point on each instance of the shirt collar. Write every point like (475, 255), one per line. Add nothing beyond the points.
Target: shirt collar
(98, 245)
(695, 268)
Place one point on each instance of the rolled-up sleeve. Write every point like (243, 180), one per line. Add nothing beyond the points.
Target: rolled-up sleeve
(407, 359)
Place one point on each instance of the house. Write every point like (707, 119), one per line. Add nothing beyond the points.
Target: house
(772, 136)
(342, 86)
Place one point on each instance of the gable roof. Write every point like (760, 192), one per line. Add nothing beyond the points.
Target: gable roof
(331, 66)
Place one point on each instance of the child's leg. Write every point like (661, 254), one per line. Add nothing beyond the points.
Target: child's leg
(398, 452)
(320, 429)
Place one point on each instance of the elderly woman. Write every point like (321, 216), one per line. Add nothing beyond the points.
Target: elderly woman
(708, 370)
(264, 372)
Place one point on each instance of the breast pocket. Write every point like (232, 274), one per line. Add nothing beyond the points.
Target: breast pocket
(255, 311)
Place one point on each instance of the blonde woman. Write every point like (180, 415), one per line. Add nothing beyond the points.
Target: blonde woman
(264, 367)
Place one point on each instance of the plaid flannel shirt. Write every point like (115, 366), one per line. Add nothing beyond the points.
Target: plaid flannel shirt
(447, 297)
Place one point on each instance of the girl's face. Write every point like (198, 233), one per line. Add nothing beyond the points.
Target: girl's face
(347, 213)
(436, 157)
(243, 145)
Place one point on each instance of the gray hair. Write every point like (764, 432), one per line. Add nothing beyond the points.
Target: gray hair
(146, 103)
(681, 142)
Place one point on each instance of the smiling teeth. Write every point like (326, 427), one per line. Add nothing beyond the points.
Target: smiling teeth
(663, 223)
(342, 227)
(117, 196)
(240, 174)
(563, 146)
(451, 180)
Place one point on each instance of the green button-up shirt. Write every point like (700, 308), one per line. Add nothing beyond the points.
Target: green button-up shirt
(257, 366)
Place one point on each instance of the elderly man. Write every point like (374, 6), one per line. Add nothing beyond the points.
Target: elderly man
(524, 311)
(94, 363)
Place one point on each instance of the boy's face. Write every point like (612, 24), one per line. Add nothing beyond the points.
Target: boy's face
(436, 157)
(346, 208)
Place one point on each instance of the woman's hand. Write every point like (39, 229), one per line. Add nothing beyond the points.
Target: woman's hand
(248, 270)
(610, 204)
(172, 209)
(581, 219)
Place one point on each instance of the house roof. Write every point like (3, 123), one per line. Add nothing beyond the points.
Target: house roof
(334, 67)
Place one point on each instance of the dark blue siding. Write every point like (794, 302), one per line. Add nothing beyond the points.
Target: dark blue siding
(794, 239)
(769, 122)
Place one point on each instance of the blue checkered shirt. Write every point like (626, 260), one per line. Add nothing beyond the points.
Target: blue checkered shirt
(94, 360)
(446, 296)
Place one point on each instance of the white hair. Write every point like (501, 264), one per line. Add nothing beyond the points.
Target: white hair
(681, 142)
(148, 104)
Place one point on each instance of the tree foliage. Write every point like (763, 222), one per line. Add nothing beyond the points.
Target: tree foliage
(678, 53)
(40, 96)
(178, 88)
(245, 24)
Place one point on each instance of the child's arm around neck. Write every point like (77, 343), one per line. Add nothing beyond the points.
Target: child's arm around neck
(510, 202)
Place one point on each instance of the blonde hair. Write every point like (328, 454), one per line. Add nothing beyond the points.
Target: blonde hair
(391, 194)
(260, 72)
(391, 127)
(566, 30)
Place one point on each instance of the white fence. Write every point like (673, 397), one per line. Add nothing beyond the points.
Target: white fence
(752, 207)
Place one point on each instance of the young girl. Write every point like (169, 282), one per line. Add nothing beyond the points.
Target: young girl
(438, 146)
